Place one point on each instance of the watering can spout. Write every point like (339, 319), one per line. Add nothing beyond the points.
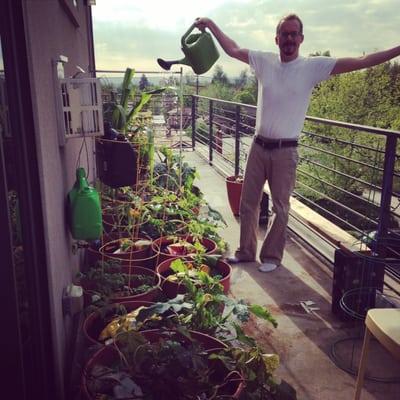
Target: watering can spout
(199, 50)
(168, 64)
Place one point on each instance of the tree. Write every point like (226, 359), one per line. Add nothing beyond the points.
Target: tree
(220, 76)
(144, 82)
(241, 81)
(368, 97)
(245, 96)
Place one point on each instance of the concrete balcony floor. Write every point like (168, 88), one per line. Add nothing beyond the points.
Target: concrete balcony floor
(302, 340)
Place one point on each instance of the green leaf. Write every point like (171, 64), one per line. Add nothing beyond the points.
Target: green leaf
(242, 337)
(155, 91)
(211, 260)
(263, 313)
(178, 266)
(118, 117)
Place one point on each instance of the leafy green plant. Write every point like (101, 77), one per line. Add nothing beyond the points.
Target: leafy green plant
(207, 309)
(176, 366)
(107, 280)
(257, 368)
(203, 308)
(121, 114)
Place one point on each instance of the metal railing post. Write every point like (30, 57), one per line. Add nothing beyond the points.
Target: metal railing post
(193, 122)
(210, 134)
(237, 140)
(387, 187)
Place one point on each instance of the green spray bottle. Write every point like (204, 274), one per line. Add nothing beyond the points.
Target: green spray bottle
(84, 209)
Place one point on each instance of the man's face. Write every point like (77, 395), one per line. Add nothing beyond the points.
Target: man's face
(289, 39)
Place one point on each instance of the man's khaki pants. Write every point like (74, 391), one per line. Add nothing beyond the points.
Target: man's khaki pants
(278, 167)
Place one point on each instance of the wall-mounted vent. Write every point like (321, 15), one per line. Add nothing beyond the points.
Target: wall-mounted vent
(81, 107)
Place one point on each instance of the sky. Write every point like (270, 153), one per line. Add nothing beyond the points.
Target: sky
(134, 33)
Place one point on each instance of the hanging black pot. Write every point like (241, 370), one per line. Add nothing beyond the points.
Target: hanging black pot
(116, 161)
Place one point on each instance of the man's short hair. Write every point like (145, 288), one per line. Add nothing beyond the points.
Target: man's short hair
(288, 18)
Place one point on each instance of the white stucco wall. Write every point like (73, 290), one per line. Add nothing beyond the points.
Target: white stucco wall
(51, 33)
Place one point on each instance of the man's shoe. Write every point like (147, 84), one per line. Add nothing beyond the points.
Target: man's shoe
(267, 267)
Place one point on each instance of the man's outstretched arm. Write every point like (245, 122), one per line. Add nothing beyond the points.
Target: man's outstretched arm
(230, 46)
(352, 64)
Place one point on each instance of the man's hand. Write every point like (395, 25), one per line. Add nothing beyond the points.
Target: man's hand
(202, 23)
(230, 46)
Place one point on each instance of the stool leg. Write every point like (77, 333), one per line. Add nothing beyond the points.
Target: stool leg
(363, 364)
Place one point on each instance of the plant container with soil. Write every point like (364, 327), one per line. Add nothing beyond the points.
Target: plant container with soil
(106, 322)
(181, 246)
(114, 283)
(234, 186)
(196, 268)
(161, 365)
(129, 252)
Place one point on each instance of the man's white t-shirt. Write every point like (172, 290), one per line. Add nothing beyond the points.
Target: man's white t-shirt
(284, 91)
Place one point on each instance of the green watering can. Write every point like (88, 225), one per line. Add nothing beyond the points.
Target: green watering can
(199, 49)
(84, 210)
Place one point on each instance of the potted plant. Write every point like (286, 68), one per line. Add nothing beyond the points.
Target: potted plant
(198, 268)
(129, 251)
(123, 217)
(110, 282)
(234, 186)
(204, 308)
(106, 322)
(181, 246)
(117, 157)
(161, 365)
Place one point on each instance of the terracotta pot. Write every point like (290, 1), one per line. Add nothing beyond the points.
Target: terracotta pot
(89, 287)
(234, 190)
(95, 322)
(109, 355)
(172, 289)
(159, 246)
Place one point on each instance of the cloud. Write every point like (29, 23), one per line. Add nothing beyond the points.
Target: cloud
(131, 36)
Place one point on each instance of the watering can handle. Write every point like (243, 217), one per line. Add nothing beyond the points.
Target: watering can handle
(81, 178)
(183, 40)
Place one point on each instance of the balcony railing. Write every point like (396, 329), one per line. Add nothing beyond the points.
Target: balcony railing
(348, 173)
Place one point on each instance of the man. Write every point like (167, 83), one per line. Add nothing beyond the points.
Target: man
(285, 84)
